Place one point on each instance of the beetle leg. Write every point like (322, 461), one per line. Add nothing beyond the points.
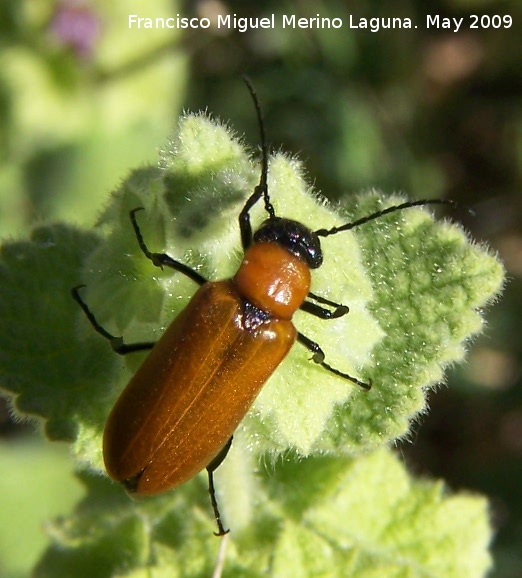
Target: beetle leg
(161, 259)
(117, 343)
(321, 312)
(318, 357)
(326, 301)
(211, 468)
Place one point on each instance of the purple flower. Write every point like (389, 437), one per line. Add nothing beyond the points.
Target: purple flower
(77, 26)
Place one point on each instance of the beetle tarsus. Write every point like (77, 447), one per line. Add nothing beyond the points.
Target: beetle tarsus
(215, 508)
(211, 468)
(319, 356)
(162, 259)
(117, 343)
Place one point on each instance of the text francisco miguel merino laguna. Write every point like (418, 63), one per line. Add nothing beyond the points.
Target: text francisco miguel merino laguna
(234, 22)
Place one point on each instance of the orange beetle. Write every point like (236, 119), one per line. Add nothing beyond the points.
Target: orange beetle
(179, 412)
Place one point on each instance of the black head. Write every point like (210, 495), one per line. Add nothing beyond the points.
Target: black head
(293, 236)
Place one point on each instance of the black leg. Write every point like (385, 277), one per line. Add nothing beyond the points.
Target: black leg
(117, 343)
(211, 468)
(321, 312)
(318, 357)
(161, 259)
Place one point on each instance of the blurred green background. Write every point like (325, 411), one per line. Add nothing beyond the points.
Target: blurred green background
(432, 113)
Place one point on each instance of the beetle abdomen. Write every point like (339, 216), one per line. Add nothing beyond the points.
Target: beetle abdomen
(191, 392)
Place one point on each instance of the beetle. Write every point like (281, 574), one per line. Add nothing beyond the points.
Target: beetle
(178, 414)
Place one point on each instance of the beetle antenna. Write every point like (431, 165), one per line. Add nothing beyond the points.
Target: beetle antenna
(378, 214)
(263, 183)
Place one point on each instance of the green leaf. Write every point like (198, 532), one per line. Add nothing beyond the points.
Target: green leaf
(363, 517)
(43, 365)
(415, 287)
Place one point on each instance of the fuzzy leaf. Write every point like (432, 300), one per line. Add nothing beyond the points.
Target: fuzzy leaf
(415, 288)
(43, 368)
(363, 517)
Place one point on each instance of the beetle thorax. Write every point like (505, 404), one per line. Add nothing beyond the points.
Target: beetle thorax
(273, 279)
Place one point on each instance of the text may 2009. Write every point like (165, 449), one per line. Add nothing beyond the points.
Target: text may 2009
(244, 24)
